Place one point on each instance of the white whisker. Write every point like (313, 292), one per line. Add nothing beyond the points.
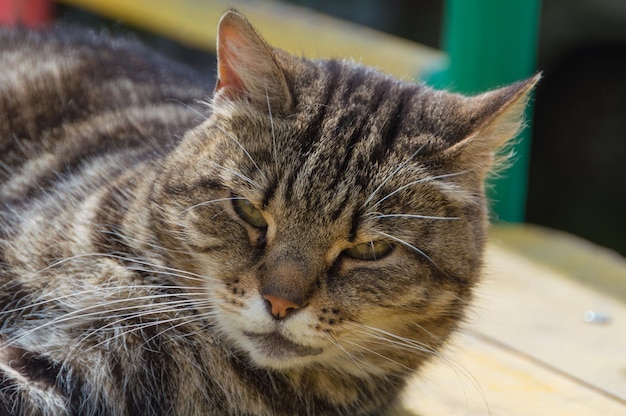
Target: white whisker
(274, 147)
(357, 363)
(157, 322)
(402, 165)
(106, 288)
(237, 174)
(231, 136)
(412, 247)
(416, 216)
(204, 203)
(413, 183)
(186, 274)
(98, 308)
(188, 106)
(383, 337)
(407, 341)
(378, 354)
(118, 236)
(196, 318)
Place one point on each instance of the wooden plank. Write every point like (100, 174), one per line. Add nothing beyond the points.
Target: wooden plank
(484, 379)
(542, 312)
(294, 29)
(597, 267)
(528, 347)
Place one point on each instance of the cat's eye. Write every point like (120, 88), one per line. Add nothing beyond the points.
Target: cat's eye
(373, 250)
(248, 212)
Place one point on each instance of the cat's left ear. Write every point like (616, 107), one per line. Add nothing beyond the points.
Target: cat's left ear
(247, 67)
(497, 116)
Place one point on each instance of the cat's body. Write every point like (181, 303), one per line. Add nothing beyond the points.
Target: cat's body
(158, 257)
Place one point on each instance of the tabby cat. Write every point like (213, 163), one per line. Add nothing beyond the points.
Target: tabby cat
(298, 244)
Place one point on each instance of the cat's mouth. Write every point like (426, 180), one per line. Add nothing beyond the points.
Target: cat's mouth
(275, 346)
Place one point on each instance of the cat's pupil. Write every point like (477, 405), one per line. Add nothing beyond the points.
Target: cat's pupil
(248, 212)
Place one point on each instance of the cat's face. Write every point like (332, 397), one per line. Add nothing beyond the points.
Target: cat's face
(336, 215)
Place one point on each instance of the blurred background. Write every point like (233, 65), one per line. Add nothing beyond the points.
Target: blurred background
(576, 160)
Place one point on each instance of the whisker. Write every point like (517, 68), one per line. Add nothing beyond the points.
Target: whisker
(399, 340)
(274, 147)
(404, 243)
(98, 311)
(408, 185)
(384, 337)
(38, 301)
(188, 275)
(165, 273)
(237, 174)
(49, 301)
(196, 318)
(417, 216)
(118, 236)
(378, 354)
(201, 204)
(357, 363)
(144, 325)
(164, 307)
(189, 107)
(365, 367)
(231, 136)
(402, 165)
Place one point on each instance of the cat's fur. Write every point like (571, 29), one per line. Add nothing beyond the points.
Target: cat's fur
(129, 283)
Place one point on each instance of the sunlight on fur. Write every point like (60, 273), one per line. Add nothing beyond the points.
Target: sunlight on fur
(300, 242)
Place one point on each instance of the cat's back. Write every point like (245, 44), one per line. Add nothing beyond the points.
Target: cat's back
(70, 97)
(72, 73)
(63, 59)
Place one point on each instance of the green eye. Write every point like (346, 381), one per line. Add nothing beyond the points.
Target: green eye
(248, 212)
(373, 250)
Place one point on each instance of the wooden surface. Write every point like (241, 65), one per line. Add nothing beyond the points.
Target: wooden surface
(532, 345)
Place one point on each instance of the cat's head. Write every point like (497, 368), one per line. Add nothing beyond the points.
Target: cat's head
(338, 215)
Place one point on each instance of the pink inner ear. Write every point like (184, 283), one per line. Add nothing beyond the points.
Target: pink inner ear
(228, 80)
(247, 68)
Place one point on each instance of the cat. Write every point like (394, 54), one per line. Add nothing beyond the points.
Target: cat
(299, 243)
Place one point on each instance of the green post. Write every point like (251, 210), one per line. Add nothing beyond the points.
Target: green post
(491, 43)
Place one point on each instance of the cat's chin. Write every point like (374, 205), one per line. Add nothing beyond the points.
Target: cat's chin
(273, 350)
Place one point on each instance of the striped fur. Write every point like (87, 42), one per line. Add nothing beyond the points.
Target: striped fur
(131, 285)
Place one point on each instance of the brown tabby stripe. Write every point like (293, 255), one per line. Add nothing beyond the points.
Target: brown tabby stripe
(310, 136)
(331, 72)
(391, 128)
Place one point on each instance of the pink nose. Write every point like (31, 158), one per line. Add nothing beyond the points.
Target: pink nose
(280, 307)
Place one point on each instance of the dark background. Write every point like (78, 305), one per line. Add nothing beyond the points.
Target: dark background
(577, 177)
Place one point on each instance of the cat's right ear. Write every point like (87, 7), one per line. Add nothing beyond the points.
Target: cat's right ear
(497, 116)
(247, 67)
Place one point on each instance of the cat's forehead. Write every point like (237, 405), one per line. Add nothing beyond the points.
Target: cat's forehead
(353, 132)
(340, 104)
(360, 126)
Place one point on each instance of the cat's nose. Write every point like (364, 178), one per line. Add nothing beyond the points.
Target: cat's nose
(279, 307)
